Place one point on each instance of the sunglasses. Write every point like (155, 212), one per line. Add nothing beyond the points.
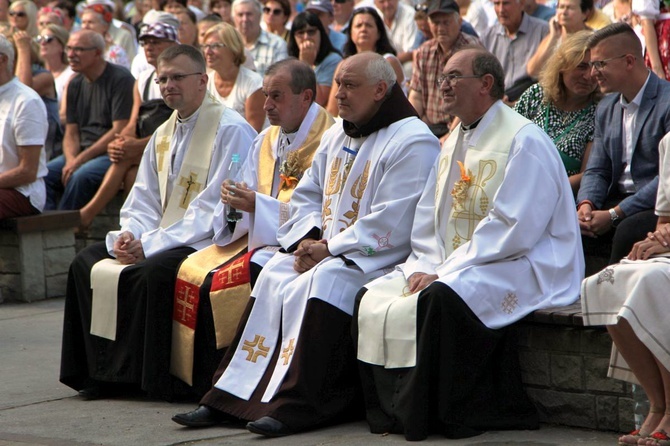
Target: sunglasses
(43, 40)
(339, 2)
(17, 13)
(267, 10)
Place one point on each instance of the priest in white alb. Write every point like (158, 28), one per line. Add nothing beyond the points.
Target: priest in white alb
(118, 305)
(291, 366)
(494, 238)
(216, 281)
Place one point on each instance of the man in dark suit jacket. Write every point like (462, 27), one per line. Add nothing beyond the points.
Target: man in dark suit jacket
(618, 190)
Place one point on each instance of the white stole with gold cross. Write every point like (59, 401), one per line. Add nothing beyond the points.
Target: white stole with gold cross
(105, 274)
(387, 313)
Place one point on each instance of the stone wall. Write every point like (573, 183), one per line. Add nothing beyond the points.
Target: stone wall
(34, 265)
(565, 372)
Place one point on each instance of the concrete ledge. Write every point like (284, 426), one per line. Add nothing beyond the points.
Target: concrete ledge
(35, 255)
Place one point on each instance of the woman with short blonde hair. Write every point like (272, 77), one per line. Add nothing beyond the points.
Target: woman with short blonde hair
(236, 86)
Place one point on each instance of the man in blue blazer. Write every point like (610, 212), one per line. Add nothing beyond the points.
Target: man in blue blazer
(618, 190)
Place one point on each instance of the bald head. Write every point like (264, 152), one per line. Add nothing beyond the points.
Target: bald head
(363, 82)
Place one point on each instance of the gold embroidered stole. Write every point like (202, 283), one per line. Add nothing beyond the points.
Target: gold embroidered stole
(195, 167)
(344, 192)
(230, 288)
(471, 196)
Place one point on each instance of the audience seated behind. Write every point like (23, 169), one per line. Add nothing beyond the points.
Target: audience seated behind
(148, 112)
(564, 103)
(309, 42)
(229, 81)
(367, 32)
(570, 18)
(98, 18)
(99, 104)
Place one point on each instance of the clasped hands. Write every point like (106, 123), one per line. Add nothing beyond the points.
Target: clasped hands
(309, 253)
(593, 223)
(238, 196)
(127, 249)
(657, 242)
(124, 147)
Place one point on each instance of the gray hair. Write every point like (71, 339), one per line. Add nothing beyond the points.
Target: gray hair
(379, 69)
(7, 48)
(302, 75)
(255, 3)
(98, 41)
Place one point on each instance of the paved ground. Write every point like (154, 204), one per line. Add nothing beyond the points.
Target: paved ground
(35, 409)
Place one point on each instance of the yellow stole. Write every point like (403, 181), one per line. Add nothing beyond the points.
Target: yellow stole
(230, 290)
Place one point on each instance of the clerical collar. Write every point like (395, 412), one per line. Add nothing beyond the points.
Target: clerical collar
(472, 126)
(189, 119)
(393, 109)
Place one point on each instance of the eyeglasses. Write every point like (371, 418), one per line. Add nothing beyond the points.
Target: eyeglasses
(267, 10)
(79, 49)
(154, 42)
(307, 32)
(600, 64)
(451, 79)
(17, 13)
(43, 40)
(212, 46)
(162, 80)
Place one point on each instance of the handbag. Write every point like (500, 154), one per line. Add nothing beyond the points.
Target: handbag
(152, 114)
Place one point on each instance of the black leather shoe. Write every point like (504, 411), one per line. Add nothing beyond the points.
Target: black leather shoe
(203, 416)
(90, 393)
(269, 427)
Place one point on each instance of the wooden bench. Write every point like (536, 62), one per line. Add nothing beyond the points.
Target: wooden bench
(35, 254)
(564, 368)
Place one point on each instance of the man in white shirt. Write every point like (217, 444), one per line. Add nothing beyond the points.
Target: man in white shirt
(23, 133)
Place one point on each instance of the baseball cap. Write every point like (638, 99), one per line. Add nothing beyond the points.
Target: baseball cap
(321, 6)
(446, 6)
(159, 30)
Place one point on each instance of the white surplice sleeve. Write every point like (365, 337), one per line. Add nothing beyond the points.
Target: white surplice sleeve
(142, 212)
(663, 195)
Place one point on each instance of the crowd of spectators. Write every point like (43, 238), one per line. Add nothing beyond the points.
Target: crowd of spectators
(80, 97)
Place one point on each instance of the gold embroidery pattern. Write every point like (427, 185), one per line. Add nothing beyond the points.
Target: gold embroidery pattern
(475, 203)
(334, 186)
(288, 351)
(509, 303)
(188, 183)
(606, 275)
(161, 149)
(357, 191)
(250, 348)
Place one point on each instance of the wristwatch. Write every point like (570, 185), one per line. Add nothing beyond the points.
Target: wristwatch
(613, 215)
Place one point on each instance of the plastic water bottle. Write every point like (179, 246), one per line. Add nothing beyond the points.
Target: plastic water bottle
(232, 214)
